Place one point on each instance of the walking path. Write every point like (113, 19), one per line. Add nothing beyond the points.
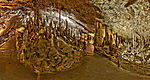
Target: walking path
(91, 68)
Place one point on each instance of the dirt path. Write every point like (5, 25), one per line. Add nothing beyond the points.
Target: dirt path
(92, 68)
(95, 68)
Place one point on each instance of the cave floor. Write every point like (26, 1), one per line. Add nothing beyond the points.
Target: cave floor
(91, 68)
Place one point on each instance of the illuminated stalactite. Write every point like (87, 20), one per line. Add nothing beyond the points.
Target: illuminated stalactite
(54, 35)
